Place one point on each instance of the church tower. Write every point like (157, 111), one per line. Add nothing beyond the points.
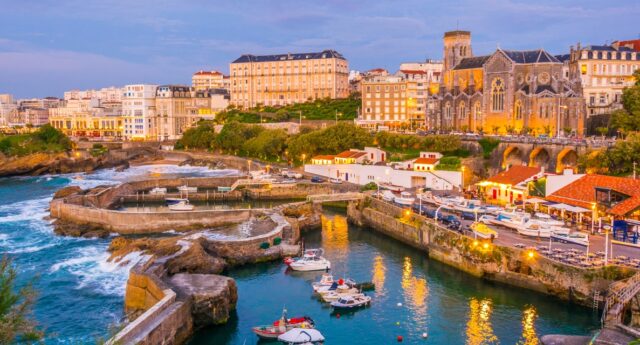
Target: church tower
(457, 46)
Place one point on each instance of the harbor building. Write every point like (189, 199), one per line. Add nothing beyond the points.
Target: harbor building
(507, 91)
(277, 80)
(604, 71)
(511, 185)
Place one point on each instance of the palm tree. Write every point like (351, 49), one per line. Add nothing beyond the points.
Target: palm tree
(495, 129)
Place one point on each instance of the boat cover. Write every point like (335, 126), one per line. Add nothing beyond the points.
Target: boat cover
(301, 336)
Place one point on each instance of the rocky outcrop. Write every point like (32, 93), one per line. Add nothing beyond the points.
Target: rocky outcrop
(58, 163)
(195, 260)
(65, 228)
(121, 246)
(67, 191)
(213, 297)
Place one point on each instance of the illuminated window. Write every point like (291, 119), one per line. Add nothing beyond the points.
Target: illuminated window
(518, 110)
(497, 94)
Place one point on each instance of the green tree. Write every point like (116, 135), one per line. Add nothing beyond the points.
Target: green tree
(269, 144)
(16, 323)
(233, 135)
(628, 118)
(488, 145)
(200, 137)
(603, 131)
(330, 140)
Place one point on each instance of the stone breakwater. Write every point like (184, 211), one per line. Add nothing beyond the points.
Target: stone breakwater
(507, 265)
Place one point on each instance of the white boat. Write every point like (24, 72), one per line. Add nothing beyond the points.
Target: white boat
(181, 206)
(545, 218)
(339, 285)
(308, 253)
(391, 187)
(483, 231)
(325, 281)
(335, 180)
(575, 237)
(171, 201)
(158, 191)
(302, 336)
(333, 294)
(388, 195)
(535, 229)
(315, 263)
(404, 199)
(187, 189)
(351, 302)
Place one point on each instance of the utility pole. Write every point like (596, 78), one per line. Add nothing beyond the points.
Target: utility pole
(634, 170)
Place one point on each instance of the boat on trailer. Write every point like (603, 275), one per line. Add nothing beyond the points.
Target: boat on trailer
(405, 199)
(391, 187)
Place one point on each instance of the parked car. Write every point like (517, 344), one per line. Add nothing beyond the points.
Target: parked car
(317, 179)
(468, 215)
(335, 180)
(451, 220)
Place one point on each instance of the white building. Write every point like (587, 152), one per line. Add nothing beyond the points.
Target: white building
(138, 110)
(8, 109)
(431, 68)
(557, 182)
(106, 94)
(362, 174)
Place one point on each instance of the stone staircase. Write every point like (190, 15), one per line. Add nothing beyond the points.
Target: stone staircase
(620, 293)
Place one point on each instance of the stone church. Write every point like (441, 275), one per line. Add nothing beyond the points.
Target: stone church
(513, 92)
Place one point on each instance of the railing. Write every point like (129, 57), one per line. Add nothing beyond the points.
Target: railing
(319, 198)
(620, 293)
(245, 182)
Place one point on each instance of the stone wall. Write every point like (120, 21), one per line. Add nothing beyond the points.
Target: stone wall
(507, 265)
(294, 191)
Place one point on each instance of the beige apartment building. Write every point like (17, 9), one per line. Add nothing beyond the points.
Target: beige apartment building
(178, 107)
(276, 80)
(604, 71)
(392, 102)
(89, 118)
(205, 80)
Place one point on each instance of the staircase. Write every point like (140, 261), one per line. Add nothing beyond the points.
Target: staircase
(247, 182)
(620, 293)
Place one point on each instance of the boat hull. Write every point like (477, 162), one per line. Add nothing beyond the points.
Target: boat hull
(310, 267)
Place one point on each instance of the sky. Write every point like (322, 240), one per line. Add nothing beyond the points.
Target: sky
(49, 46)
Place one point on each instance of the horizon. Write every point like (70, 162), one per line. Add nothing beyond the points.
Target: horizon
(49, 47)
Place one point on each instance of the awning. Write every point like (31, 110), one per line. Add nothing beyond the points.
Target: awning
(565, 207)
(534, 201)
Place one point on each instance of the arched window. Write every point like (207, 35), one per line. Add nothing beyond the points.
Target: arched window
(462, 111)
(477, 111)
(518, 110)
(497, 95)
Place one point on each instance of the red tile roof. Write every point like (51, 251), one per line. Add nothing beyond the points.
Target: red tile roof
(350, 154)
(323, 157)
(430, 161)
(515, 175)
(582, 192)
(411, 71)
(207, 73)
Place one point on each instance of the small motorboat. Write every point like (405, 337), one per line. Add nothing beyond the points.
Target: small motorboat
(334, 286)
(334, 293)
(351, 302)
(315, 263)
(391, 187)
(282, 325)
(307, 253)
(535, 229)
(575, 237)
(158, 191)
(483, 231)
(171, 201)
(187, 189)
(405, 199)
(181, 206)
(302, 336)
(325, 281)
(388, 196)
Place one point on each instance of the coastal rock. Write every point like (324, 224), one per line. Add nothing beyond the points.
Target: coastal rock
(213, 297)
(195, 260)
(64, 228)
(121, 246)
(66, 191)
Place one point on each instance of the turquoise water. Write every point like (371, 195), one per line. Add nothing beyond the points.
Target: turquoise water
(80, 293)
(452, 307)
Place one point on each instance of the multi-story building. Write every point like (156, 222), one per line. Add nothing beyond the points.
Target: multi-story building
(604, 72)
(46, 103)
(276, 80)
(507, 91)
(205, 80)
(391, 102)
(33, 116)
(175, 111)
(431, 68)
(89, 118)
(8, 109)
(138, 111)
(107, 94)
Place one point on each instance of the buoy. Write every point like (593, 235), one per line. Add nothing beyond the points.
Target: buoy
(397, 323)
(338, 316)
(425, 335)
(399, 304)
(399, 338)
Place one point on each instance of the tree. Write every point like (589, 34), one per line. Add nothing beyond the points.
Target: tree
(200, 137)
(567, 131)
(510, 129)
(269, 144)
(16, 324)
(628, 118)
(495, 129)
(602, 131)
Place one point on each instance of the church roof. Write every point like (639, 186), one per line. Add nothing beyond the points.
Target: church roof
(472, 62)
(543, 88)
(563, 57)
(530, 56)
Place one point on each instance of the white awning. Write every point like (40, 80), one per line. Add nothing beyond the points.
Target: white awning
(565, 207)
(534, 201)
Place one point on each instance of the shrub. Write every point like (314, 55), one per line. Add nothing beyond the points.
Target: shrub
(369, 186)
(264, 245)
(488, 145)
(277, 241)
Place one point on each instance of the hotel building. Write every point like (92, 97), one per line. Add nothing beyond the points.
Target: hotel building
(392, 102)
(138, 111)
(88, 117)
(205, 80)
(276, 80)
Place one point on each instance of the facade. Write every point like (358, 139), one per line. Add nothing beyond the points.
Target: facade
(8, 109)
(89, 118)
(205, 80)
(391, 102)
(172, 111)
(506, 92)
(276, 80)
(107, 94)
(34, 116)
(510, 186)
(604, 72)
(138, 111)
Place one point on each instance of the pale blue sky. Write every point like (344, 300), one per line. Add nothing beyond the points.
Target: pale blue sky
(49, 46)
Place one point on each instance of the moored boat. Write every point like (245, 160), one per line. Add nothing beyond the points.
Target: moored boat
(183, 205)
(307, 253)
(315, 263)
(405, 199)
(388, 196)
(483, 231)
(334, 293)
(282, 325)
(170, 201)
(351, 301)
(158, 191)
(325, 281)
(302, 336)
(187, 189)
(391, 187)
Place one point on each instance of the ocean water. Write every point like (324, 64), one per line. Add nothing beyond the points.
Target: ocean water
(450, 306)
(80, 294)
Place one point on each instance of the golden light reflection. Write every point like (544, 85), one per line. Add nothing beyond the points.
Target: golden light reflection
(479, 329)
(379, 273)
(529, 336)
(415, 289)
(335, 233)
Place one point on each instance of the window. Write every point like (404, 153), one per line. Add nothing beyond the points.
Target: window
(518, 110)
(497, 95)
(447, 111)
(462, 111)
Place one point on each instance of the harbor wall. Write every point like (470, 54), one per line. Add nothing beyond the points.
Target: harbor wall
(297, 190)
(502, 264)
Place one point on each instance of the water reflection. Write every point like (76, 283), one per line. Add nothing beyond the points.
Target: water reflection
(415, 289)
(479, 328)
(529, 317)
(379, 273)
(335, 233)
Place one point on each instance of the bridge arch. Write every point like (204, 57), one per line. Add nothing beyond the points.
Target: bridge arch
(512, 155)
(567, 159)
(539, 157)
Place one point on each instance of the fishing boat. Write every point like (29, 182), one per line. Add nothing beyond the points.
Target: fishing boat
(575, 238)
(302, 336)
(187, 189)
(183, 205)
(314, 263)
(545, 218)
(483, 231)
(388, 196)
(307, 253)
(405, 199)
(171, 201)
(351, 301)
(158, 191)
(391, 187)
(282, 325)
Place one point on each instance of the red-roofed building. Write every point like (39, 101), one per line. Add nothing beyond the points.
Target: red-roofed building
(610, 195)
(205, 80)
(323, 159)
(510, 186)
(632, 44)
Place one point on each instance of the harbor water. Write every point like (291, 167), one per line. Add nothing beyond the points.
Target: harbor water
(81, 293)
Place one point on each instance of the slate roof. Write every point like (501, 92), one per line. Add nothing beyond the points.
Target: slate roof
(563, 57)
(530, 56)
(582, 192)
(543, 88)
(325, 54)
(472, 62)
(516, 174)
(608, 48)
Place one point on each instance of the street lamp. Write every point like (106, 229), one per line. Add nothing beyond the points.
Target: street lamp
(303, 157)
(436, 215)
(462, 178)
